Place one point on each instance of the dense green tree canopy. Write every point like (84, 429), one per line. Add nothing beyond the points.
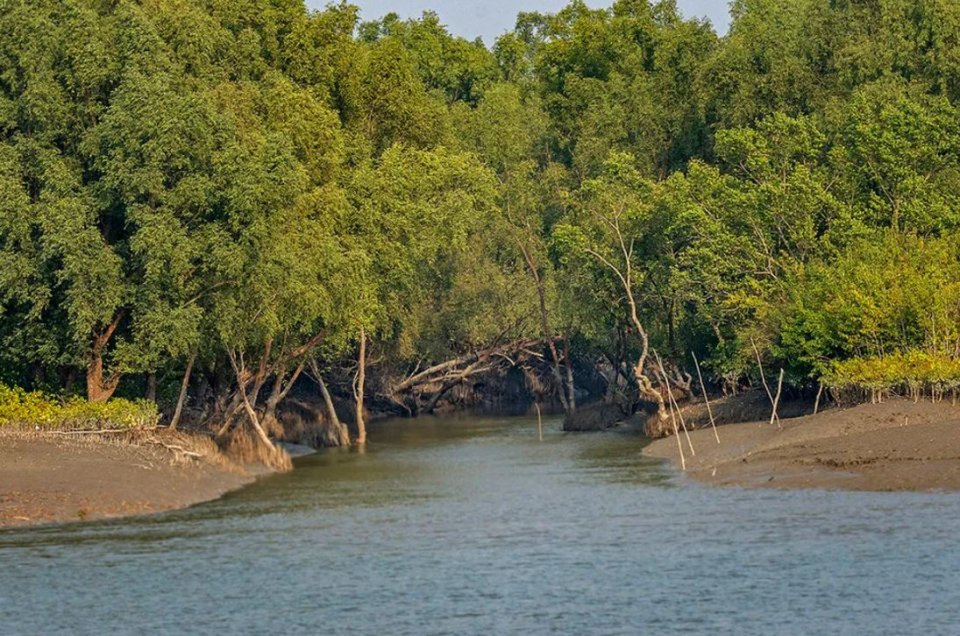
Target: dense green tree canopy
(254, 185)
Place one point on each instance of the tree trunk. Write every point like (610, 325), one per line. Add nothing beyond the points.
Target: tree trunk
(68, 378)
(281, 389)
(610, 395)
(359, 388)
(184, 389)
(236, 404)
(658, 427)
(341, 436)
(545, 326)
(643, 380)
(248, 407)
(257, 427)
(432, 404)
(100, 389)
(38, 376)
(625, 274)
(328, 401)
(228, 411)
(151, 392)
(571, 388)
(270, 422)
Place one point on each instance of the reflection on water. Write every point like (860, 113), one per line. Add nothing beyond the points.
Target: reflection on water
(471, 525)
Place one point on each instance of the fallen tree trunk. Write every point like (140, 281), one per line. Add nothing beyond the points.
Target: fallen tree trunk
(423, 390)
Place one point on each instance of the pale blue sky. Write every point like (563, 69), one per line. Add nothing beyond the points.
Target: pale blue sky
(490, 18)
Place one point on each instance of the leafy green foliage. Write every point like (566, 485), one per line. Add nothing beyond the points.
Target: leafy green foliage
(256, 180)
(885, 295)
(913, 370)
(19, 408)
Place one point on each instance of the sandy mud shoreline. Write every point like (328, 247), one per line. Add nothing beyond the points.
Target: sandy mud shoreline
(895, 446)
(46, 479)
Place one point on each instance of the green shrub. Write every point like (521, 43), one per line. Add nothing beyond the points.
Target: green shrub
(911, 372)
(38, 410)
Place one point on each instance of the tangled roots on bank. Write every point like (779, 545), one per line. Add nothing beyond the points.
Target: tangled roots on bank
(747, 406)
(184, 448)
(657, 426)
(179, 448)
(307, 424)
(245, 448)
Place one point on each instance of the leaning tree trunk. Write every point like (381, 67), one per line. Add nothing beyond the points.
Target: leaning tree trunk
(340, 435)
(184, 388)
(235, 406)
(269, 421)
(273, 455)
(456, 371)
(247, 405)
(625, 274)
(658, 425)
(359, 388)
(281, 389)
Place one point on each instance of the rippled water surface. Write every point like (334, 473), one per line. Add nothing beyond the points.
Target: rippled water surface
(473, 526)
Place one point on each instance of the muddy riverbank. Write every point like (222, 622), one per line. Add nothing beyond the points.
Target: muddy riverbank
(895, 446)
(53, 479)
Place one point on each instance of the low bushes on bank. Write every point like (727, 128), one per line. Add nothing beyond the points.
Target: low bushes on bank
(33, 409)
(912, 373)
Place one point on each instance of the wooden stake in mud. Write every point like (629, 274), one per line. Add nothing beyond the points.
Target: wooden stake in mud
(763, 379)
(676, 433)
(706, 398)
(673, 403)
(539, 420)
(776, 401)
(816, 405)
(683, 423)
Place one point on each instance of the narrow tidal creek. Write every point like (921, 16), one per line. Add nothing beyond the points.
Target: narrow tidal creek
(470, 525)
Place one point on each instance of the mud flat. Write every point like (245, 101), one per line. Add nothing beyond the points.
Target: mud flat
(49, 479)
(894, 446)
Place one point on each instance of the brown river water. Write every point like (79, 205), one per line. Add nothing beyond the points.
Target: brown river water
(471, 525)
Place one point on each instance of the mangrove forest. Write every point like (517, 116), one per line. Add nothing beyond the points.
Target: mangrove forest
(247, 216)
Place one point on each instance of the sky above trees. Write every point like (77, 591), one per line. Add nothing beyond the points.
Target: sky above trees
(490, 18)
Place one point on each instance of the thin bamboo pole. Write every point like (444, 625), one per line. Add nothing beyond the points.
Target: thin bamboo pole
(673, 402)
(539, 420)
(763, 377)
(776, 401)
(816, 405)
(683, 423)
(676, 433)
(706, 398)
